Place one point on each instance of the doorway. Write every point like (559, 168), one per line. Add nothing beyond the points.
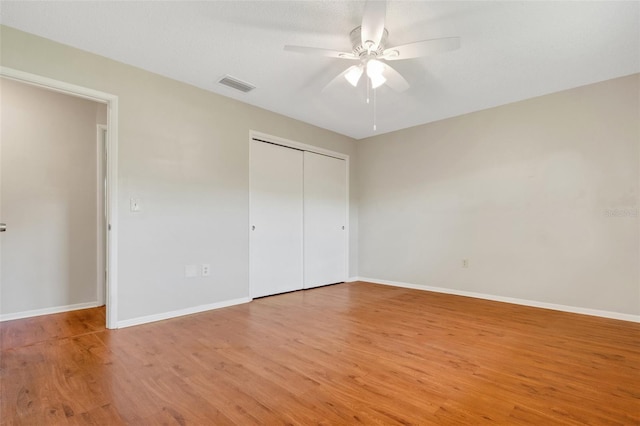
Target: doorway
(52, 210)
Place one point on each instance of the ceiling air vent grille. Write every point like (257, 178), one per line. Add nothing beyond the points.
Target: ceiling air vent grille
(234, 83)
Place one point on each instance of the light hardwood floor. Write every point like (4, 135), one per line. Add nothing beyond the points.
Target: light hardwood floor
(353, 353)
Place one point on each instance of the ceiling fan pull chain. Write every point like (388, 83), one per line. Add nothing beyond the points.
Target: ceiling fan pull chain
(374, 110)
(368, 84)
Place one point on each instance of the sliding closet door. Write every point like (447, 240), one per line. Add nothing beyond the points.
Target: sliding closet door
(276, 187)
(325, 198)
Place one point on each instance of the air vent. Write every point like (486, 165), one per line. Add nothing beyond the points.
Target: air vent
(234, 83)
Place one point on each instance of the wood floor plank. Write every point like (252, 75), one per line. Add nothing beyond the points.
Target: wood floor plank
(355, 353)
(41, 328)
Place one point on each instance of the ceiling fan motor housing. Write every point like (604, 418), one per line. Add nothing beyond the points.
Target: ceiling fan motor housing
(360, 50)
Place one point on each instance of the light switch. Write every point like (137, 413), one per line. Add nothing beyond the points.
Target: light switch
(134, 204)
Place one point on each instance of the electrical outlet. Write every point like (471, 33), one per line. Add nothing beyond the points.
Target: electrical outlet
(465, 263)
(206, 269)
(191, 271)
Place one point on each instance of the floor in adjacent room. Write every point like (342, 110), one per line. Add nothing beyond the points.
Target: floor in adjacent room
(344, 354)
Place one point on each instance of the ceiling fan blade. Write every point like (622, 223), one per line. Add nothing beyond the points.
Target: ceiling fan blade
(373, 23)
(394, 79)
(421, 48)
(320, 52)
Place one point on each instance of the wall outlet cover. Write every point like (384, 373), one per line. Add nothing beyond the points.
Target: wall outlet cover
(191, 271)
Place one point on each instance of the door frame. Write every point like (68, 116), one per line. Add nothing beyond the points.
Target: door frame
(101, 219)
(264, 137)
(111, 101)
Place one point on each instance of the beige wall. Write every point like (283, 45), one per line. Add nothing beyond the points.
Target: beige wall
(523, 191)
(49, 188)
(184, 152)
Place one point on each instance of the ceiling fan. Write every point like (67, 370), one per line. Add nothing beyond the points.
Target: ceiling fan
(370, 50)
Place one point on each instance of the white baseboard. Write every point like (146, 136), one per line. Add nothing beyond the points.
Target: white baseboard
(48, 311)
(352, 279)
(181, 312)
(515, 301)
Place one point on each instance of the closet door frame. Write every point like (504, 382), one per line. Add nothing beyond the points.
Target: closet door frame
(259, 136)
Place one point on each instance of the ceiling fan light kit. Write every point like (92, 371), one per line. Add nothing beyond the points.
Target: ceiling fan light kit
(353, 74)
(377, 80)
(368, 43)
(375, 71)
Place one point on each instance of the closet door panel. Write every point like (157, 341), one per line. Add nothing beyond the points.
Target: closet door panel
(276, 219)
(325, 208)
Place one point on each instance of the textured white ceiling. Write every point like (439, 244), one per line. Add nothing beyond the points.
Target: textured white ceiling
(510, 50)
